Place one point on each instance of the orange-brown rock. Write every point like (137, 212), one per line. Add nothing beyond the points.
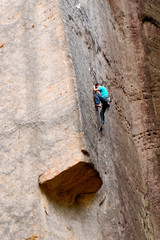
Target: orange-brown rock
(66, 186)
(32, 238)
(1, 45)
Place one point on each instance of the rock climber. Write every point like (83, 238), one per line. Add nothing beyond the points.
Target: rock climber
(101, 98)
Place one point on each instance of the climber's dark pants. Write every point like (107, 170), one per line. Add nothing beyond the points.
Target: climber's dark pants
(99, 99)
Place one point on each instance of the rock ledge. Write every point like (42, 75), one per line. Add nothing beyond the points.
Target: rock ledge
(81, 178)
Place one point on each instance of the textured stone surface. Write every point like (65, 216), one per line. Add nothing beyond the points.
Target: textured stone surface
(115, 52)
(40, 123)
(51, 53)
(65, 187)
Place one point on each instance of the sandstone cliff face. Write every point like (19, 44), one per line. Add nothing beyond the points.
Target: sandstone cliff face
(52, 52)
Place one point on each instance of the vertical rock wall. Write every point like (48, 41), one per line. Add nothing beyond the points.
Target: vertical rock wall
(117, 43)
(151, 137)
(52, 52)
(40, 120)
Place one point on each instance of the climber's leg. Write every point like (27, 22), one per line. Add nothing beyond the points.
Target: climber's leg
(97, 100)
(104, 107)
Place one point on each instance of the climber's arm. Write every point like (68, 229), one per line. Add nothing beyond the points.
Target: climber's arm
(95, 89)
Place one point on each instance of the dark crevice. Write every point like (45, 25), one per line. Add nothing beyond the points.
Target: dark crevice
(150, 20)
(108, 62)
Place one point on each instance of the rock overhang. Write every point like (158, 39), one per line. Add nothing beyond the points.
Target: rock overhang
(65, 186)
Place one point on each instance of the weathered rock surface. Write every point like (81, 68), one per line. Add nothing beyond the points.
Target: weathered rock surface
(51, 53)
(67, 185)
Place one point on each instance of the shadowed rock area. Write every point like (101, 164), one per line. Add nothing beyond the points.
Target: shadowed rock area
(65, 187)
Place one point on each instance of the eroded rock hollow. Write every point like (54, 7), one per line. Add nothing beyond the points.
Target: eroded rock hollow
(53, 157)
